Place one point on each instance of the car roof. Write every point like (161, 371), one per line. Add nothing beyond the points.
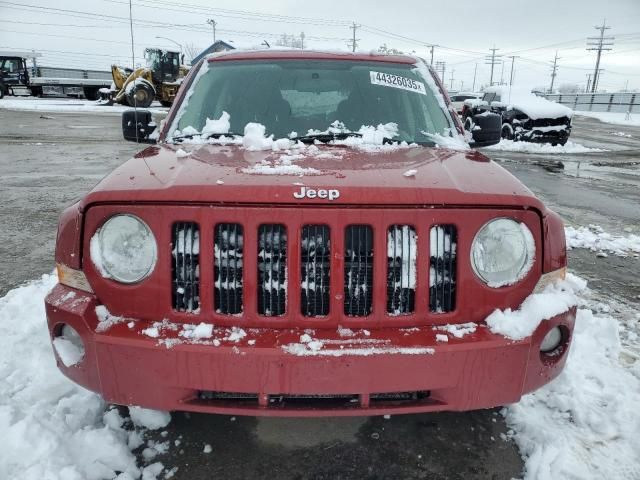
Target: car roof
(269, 54)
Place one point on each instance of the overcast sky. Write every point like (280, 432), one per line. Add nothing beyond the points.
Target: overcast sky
(94, 34)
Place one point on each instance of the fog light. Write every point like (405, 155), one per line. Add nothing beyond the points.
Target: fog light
(69, 345)
(551, 340)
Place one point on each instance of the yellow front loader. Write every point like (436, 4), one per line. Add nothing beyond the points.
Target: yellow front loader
(159, 80)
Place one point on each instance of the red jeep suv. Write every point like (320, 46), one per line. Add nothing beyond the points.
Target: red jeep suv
(308, 234)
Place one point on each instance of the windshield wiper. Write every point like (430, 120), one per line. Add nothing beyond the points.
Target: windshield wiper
(326, 137)
(206, 136)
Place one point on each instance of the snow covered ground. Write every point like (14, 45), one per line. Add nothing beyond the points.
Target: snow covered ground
(51, 428)
(67, 105)
(585, 424)
(614, 118)
(528, 147)
(581, 426)
(597, 240)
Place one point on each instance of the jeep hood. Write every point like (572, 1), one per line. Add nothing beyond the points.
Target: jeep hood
(218, 174)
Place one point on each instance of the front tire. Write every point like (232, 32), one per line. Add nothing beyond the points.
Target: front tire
(1, 90)
(507, 132)
(141, 96)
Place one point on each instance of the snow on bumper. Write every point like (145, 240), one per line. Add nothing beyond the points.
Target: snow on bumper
(297, 373)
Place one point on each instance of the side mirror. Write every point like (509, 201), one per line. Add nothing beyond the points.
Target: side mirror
(137, 126)
(485, 129)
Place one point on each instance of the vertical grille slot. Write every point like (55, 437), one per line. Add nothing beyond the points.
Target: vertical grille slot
(358, 270)
(315, 267)
(185, 268)
(442, 272)
(227, 268)
(401, 269)
(272, 270)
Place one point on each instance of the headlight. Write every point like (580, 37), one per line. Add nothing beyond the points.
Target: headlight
(502, 252)
(124, 249)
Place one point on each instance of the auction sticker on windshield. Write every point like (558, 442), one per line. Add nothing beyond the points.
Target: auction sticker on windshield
(396, 81)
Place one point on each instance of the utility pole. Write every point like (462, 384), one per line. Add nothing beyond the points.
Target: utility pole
(213, 24)
(432, 47)
(599, 44)
(554, 69)
(588, 82)
(452, 71)
(440, 67)
(492, 60)
(301, 40)
(513, 59)
(354, 41)
(475, 71)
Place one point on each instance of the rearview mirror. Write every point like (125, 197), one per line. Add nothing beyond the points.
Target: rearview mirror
(137, 126)
(485, 129)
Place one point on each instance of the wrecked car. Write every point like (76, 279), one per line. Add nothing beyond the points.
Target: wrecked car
(309, 234)
(525, 117)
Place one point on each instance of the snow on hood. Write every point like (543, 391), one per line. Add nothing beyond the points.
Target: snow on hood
(535, 107)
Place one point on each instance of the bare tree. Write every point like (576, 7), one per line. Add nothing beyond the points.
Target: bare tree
(191, 51)
(389, 51)
(292, 41)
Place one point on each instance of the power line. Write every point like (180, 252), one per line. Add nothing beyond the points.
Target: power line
(599, 44)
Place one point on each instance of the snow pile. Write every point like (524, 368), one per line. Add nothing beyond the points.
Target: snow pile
(280, 166)
(613, 118)
(457, 330)
(69, 106)
(585, 423)
(106, 320)
(49, 427)
(69, 353)
(596, 239)
(533, 106)
(217, 126)
(528, 147)
(151, 419)
(554, 300)
(451, 140)
(315, 348)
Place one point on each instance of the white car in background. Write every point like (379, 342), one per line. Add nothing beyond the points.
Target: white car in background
(458, 99)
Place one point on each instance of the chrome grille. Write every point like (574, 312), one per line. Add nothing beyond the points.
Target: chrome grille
(185, 268)
(315, 266)
(272, 270)
(401, 269)
(358, 270)
(442, 272)
(228, 269)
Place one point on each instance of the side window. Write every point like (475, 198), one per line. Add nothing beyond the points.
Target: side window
(489, 97)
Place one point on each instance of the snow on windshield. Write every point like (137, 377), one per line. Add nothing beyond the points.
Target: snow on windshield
(308, 95)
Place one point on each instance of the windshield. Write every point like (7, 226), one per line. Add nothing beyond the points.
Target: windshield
(307, 96)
